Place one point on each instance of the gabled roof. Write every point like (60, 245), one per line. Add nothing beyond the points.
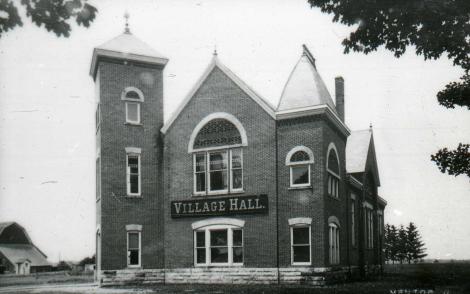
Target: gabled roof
(305, 87)
(17, 253)
(358, 145)
(243, 86)
(126, 46)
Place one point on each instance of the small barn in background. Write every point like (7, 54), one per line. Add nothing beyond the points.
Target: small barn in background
(18, 254)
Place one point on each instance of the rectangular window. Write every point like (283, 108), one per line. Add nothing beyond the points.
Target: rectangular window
(133, 112)
(369, 228)
(300, 242)
(218, 169)
(218, 246)
(200, 173)
(133, 249)
(133, 174)
(334, 244)
(236, 165)
(218, 172)
(200, 247)
(333, 185)
(98, 117)
(300, 175)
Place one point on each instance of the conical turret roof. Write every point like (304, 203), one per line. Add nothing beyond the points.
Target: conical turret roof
(305, 87)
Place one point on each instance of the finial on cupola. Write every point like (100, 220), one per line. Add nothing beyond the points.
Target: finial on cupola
(215, 51)
(126, 29)
(370, 127)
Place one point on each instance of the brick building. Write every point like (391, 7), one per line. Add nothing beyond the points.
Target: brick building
(230, 189)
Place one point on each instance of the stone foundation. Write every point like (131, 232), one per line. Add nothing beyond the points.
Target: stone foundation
(226, 275)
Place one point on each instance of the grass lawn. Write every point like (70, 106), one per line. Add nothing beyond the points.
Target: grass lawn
(451, 278)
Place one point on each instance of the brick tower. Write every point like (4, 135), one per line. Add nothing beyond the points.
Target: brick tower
(128, 77)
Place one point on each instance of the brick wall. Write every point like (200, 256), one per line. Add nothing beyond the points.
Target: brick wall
(118, 210)
(219, 94)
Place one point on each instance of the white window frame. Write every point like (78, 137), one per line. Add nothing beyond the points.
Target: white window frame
(207, 230)
(140, 248)
(208, 190)
(298, 226)
(128, 101)
(333, 186)
(334, 243)
(292, 165)
(135, 152)
(129, 121)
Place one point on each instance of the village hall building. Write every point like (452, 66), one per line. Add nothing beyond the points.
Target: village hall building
(229, 189)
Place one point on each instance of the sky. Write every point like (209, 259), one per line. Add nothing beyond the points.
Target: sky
(47, 107)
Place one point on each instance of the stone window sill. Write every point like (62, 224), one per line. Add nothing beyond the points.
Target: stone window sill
(300, 188)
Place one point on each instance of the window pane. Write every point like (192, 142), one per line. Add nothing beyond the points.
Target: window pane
(219, 238)
(218, 180)
(133, 240)
(132, 112)
(236, 158)
(133, 257)
(300, 174)
(201, 255)
(237, 179)
(237, 237)
(219, 255)
(218, 161)
(200, 182)
(134, 181)
(300, 235)
(132, 95)
(238, 254)
(301, 253)
(132, 160)
(200, 239)
(200, 162)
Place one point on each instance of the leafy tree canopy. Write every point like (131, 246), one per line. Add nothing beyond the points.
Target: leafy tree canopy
(55, 15)
(432, 27)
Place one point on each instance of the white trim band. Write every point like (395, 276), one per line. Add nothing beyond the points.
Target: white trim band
(300, 221)
(218, 221)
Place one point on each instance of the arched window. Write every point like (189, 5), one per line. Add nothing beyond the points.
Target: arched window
(299, 160)
(133, 97)
(217, 154)
(333, 226)
(332, 168)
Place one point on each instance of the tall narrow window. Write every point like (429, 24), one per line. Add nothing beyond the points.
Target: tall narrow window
(218, 245)
(353, 222)
(133, 174)
(133, 98)
(133, 248)
(217, 155)
(369, 227)
(333, 172)
(300, 243)
(98, 178)
(334, 243)
(299, 160)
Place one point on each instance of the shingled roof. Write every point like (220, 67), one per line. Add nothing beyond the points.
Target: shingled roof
(305, 87)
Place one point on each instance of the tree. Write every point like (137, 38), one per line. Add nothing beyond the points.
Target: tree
(401, 245)
(433, 27)
(87, 260)
(390, 243)
(415, 246)
(55, 15)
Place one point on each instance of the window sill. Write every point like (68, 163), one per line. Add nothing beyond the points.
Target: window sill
(219, 194)
(333, 197)
(134, 196)
(300, 187)
(134, 267)
(301, 264)
(218, 265)
(133, 124)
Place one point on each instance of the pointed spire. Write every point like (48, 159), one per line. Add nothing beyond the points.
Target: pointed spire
(215, 51)
(309, 55)
(126, 29)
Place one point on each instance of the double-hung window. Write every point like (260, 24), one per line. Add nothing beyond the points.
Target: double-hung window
(300, 245)
(332, 169)
(134, 245)
(353, 222)
(133, 98)
(299, 160)
(218, 171)
(369, 226)
(218, 245)
(334, 243)
(133, 171)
